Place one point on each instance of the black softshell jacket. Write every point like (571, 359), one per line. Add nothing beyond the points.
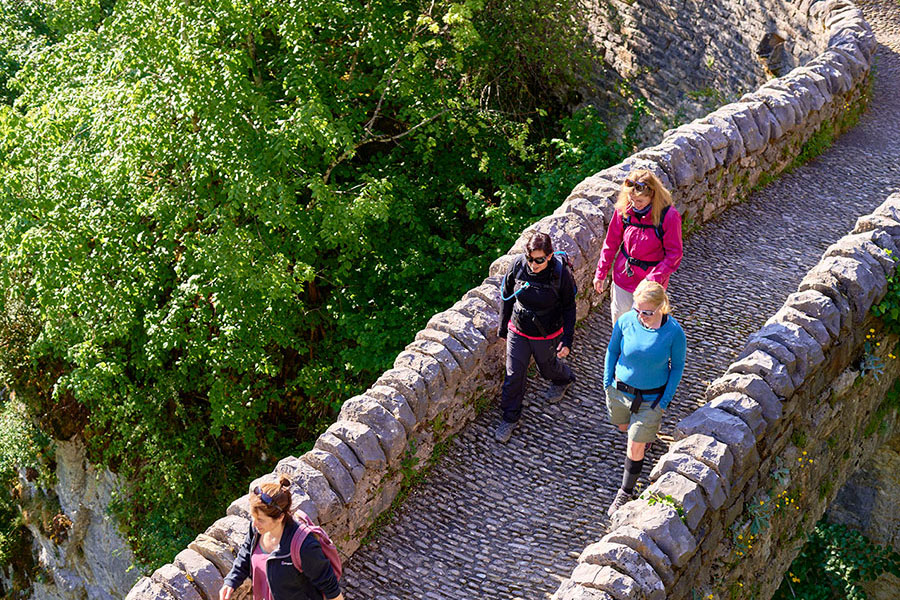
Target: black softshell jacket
(549, 298)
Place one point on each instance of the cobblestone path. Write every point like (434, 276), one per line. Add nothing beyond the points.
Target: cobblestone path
(507, 522)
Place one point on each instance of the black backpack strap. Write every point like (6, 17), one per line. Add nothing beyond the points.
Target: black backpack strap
(626, 221)
(662, 217)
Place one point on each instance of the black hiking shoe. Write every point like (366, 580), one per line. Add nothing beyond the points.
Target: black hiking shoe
(504, 431)
(621, 498)
(556, 392)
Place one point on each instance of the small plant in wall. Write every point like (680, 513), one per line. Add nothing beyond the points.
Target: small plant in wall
(869, 362)
(653, 497)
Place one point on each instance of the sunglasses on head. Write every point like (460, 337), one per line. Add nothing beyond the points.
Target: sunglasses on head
(640, 187)
(646, 313)
(266, 499)
(539, 261)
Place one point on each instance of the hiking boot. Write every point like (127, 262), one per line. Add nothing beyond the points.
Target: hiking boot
(556, 392)
(504, 431)
(621, 498)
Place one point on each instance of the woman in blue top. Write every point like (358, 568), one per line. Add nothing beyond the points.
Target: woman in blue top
(644, 364)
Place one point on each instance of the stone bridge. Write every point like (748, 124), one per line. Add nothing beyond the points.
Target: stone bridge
(772, 416)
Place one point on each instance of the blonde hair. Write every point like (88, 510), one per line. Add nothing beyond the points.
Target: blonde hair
(654, 293)
(659, 195)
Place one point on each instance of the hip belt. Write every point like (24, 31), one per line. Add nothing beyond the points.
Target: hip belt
(630, 260)
(639, 394)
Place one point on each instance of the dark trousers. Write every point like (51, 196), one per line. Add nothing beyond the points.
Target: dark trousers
(519, 350)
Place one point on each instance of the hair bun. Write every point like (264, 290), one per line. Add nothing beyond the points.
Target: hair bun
(284, 482)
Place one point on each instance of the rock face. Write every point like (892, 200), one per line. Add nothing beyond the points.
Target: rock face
(867, 503)
(88, 559)
(653, 47)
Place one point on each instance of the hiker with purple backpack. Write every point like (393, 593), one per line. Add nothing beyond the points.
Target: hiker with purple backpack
(286, 559)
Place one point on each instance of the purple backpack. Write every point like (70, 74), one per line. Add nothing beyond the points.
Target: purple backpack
(306, 527)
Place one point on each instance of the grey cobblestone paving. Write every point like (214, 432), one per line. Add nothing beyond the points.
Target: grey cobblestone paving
(508, 522)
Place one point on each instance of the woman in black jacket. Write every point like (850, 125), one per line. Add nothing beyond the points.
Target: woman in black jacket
(538, 320)
(265, 556)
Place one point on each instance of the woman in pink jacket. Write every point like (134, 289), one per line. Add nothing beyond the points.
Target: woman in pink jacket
(643, 240)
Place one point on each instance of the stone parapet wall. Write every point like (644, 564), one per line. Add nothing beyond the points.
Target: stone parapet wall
(752, 471)
(455, 364)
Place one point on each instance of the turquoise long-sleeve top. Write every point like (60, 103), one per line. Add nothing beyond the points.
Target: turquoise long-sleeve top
(646, 358)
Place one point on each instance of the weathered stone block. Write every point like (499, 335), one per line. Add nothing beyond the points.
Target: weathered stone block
(449, 367)
(639, 541)
(628, 561)
(708, 450)
(148, 589)
(201, 572)
(797, 340)
(216, 552)
(411, 384)
(862, 247)
(890, 208)
(745, 408)
(751, 385)
(466, 360)
(727, 429)
(662, 524)
(592, 214)
(743, 118)
(461, 328)
(827, 284)
(335, 472)
(339, 448)
(814, 327)
(239, 508)
(569, 590)
(782, 354)
(395, 403)
(429, 368)
(862, 285)
(390, 433)
(362, 440)
(314, 484)
(766, 366)
(694, 470)
(175, 582)
(686, 492)
(230, 530)
(485, 317)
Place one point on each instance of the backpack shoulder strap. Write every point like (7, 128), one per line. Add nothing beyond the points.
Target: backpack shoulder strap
(300, 535)
(662, 217)
(558, 273)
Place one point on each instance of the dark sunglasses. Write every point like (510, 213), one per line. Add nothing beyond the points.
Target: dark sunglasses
(639, 186)
(267, 499)
(540, 260)
(646, 313)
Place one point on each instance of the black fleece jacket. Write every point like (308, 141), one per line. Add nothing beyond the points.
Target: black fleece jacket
(285, 581)
(553, 306)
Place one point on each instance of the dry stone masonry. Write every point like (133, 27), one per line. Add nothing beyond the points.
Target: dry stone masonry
(454, 365)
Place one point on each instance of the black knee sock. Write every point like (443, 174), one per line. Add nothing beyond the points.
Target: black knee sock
(631, 474)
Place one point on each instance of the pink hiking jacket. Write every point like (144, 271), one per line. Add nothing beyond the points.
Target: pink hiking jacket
(641, 244)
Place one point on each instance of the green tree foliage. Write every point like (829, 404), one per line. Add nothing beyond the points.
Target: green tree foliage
(832, 564)
(220, 219)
